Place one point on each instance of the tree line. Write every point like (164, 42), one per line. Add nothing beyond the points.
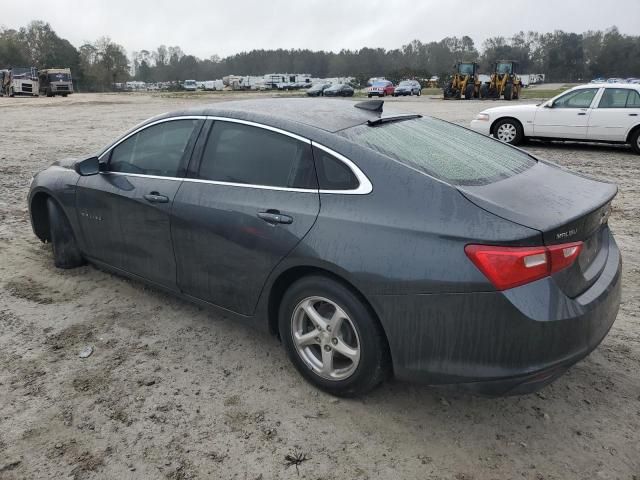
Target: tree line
(562, 56)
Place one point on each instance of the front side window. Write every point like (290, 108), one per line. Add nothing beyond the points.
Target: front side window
(442, 150)
(238, 153)
(156, 150)
(619, 98)
(576, 99)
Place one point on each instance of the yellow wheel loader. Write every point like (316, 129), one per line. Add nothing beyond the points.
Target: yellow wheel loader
(463, 82)
(505, 82)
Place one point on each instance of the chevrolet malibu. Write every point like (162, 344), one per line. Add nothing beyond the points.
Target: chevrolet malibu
(371, 243)
(607, 113)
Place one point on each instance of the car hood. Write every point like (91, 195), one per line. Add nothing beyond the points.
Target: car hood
(66, 162)
(511, 109)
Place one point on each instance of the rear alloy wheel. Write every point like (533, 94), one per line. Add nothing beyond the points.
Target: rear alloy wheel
(508, 131)
(332, 338)
(635, 140)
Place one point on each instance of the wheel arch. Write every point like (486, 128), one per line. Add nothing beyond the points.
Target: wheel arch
(287, 277)
(40, 215)
(632, 132)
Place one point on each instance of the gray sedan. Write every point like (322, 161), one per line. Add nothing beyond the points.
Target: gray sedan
(372, 244)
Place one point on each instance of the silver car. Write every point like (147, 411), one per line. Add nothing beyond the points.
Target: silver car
(408, 87)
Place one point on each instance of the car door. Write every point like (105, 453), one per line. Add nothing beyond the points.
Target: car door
(617, 112)
(124, 210)
(567, 116)
(252, 198)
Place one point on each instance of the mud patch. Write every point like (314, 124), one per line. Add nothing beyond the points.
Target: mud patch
(31, 290)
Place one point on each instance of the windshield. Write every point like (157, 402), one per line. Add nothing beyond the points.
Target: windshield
(23, 72)
(503, 68)
(443, 150)
(59, 77)
(405, 84)
(466, 69)
(380, 84)
(335, 87)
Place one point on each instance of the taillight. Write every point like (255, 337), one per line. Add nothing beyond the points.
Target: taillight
(508, 267)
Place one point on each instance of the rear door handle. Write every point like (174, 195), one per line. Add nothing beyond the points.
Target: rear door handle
(582, 113)
(274, 216)
(155, 197)
(633, 114)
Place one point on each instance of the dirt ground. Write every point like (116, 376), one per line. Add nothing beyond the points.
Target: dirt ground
(174, 391)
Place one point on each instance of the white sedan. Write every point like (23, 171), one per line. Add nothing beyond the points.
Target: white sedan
(596, 113)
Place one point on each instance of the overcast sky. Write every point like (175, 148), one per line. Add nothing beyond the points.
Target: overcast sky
(207, 27)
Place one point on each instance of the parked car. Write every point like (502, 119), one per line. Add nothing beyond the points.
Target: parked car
(615, 80)
(339, 90)
(599, 80)
(603, 113)
(380, 88)
(317, 90)
(408, 87)
(307, 219)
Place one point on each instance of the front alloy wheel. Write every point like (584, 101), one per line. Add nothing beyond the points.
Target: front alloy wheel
(509, 131)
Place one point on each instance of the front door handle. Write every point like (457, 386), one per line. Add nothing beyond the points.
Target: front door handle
(155, 197)
(274, 216)
(582, 113)
(633, 114)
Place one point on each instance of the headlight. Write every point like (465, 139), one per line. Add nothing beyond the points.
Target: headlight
(482, 116)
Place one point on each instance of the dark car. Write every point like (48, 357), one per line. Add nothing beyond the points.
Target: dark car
(317, 90)
(370, 243)
(339, 90)
(408, 87)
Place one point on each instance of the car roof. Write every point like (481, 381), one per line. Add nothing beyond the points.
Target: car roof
(296, 115)
(633, 86)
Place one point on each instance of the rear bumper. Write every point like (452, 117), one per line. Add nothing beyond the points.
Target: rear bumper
(510, 342)
(481, 126)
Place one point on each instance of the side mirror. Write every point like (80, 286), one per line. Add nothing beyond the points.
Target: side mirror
(549, 104)
(90, 166)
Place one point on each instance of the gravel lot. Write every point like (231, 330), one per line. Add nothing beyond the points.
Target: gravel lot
(174, 391)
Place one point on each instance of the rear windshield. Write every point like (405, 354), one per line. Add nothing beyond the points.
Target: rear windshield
(443, 150)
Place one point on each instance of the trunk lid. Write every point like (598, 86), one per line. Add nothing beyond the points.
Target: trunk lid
(565, 207)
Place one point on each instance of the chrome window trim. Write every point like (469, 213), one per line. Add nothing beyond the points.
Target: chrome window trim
(143, 127)
(364, 184)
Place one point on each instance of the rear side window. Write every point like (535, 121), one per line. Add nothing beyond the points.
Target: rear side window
(443, 150)
(156, 150)
(239, 153)
(333, 174)
(619, 98)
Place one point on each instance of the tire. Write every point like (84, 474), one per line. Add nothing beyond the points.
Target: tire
(360, 335)
(419, 92)
(468, 92)
(369, 95)
(509, 131)
(508, 91)
(484, 91)
(635, 141)
(66, 253)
